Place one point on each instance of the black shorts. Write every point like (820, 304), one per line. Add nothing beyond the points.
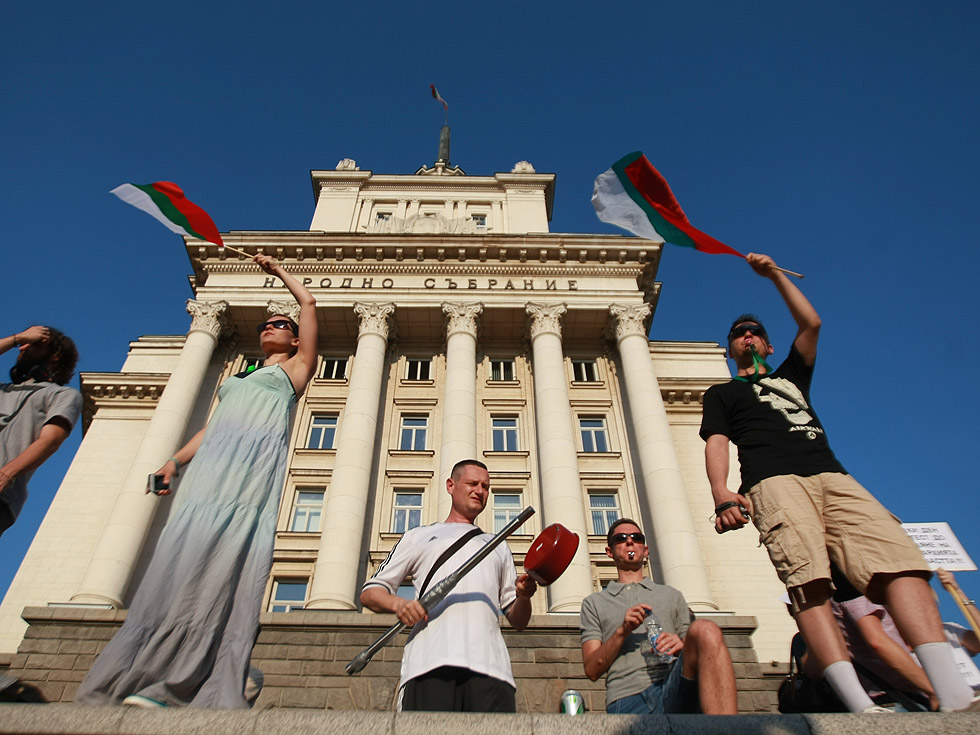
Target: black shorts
(453, 689)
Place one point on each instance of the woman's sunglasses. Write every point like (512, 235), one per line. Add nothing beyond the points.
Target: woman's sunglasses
(278, 324)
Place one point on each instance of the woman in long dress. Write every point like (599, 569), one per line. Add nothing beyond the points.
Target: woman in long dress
(188, 636)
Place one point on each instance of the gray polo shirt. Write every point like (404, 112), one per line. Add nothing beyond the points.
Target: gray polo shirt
(24, 409)
(635, 668)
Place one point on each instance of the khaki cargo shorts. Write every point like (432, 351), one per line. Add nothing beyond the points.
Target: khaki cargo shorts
(807, 522)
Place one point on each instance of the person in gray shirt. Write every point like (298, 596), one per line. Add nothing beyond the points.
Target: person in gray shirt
(37, 410)
(614, 641)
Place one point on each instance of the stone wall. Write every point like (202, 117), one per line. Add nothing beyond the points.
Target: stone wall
(303, 655)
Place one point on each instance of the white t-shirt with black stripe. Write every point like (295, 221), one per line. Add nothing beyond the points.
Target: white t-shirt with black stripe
(463, 630)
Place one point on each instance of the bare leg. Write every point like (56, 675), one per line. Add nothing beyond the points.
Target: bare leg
(824, 642)
(826, 648)
(707, 660)
(909, 600)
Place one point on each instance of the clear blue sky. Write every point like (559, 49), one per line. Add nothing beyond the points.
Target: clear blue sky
(840, 137)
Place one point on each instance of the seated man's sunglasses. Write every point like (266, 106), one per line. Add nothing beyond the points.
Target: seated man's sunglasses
(620, 538)
(277, 324)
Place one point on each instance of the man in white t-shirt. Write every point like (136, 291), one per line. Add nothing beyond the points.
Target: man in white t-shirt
(455, 659)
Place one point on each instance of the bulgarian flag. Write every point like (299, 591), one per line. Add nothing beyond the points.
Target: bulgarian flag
(633, 195)
(438, 98)
(165, 201)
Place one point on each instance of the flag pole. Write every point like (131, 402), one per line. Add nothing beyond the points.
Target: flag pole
(781, 270)
(962, 605)
(242, 252)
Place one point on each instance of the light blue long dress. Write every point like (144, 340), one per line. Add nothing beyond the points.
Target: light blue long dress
(188, 636)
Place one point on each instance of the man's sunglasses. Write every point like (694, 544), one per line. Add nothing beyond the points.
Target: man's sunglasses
(620, 538)
(741, 329)
(278, 324)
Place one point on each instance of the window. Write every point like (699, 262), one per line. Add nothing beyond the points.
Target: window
(407, 512)
(605, 511)
(306, 510)
(480, 220)
(585, 371)
(501, 370)
(506, 507)
(418, 370)
(323, 432)
(505, 434)
(287, 595)
(380, 217)
(593, 430)
(414, 429)
(334, 368)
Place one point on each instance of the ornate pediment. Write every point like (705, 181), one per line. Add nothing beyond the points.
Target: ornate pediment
(425, 224)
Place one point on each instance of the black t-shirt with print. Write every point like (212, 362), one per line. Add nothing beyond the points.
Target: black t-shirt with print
(772, 424)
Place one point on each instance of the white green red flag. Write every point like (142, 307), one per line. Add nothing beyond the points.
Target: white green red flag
(436, 96)
(165, 201)
(633, 195)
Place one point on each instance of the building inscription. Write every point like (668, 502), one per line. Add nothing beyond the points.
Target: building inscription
(504, 284)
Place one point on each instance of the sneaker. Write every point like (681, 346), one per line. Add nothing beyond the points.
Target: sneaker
(877, 709)
(973, 706)
(138, 700)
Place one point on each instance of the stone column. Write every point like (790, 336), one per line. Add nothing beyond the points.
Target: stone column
(459, 410)
(119, 548)
(561, 486)
(367, 216)
(673, 531)
(342, 531)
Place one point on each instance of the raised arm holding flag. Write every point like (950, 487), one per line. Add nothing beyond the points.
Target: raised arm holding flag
(633, 195)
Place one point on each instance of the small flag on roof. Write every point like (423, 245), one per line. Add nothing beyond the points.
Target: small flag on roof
(633, 195)
(165, 201)
(438, 98)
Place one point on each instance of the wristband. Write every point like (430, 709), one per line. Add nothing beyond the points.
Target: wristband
(16, 341)
(970, 602)
(725, 506)
(176, 466)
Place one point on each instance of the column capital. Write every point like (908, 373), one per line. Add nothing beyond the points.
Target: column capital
(374, 318)
(545, 318)
(286, 308)
(630, 320)
(461, 318)
(208, 316)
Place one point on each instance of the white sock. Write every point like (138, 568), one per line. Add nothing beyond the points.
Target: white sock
(843, 679)
(940, 666)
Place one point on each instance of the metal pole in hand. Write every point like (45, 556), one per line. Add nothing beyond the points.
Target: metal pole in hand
(439, 591)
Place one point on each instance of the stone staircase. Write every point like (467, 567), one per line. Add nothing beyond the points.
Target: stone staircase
(303, 655)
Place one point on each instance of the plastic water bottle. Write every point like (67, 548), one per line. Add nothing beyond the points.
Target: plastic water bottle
(653, 633)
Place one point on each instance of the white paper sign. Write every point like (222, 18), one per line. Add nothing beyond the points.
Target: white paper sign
(939, 546)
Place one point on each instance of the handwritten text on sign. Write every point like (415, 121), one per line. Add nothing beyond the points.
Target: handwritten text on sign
(940, 546)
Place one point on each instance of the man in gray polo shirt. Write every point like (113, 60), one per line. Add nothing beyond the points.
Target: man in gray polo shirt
(614, 641)
(37, 410)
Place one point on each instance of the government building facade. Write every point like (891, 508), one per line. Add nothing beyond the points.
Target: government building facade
(453, 325)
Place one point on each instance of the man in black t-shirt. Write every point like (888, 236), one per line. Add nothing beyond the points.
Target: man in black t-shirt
(808, 510)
